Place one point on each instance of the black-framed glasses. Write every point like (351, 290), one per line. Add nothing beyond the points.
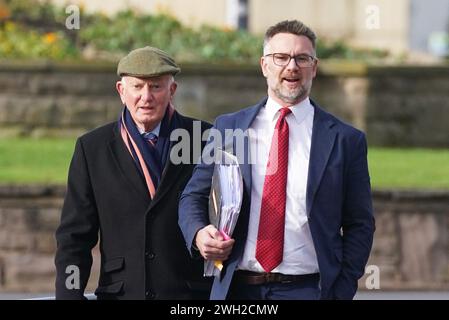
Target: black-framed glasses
(301, 60)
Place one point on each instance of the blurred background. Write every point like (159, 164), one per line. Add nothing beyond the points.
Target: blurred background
(383, 68)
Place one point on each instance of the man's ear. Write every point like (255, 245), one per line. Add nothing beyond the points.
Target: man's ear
(263, 66)
(120, 88)
(315, 68)
(173, 88)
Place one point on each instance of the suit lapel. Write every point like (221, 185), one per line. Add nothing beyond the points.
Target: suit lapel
(244, 122)
(126, 165)
(323, 138)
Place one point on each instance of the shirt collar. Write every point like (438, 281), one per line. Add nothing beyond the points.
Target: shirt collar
(154, 131)
(299, 110)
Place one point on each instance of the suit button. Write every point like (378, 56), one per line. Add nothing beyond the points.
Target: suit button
(149, 255)
(150, 295)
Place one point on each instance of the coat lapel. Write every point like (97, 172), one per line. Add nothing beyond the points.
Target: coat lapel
(323, 138)
(169, 176)
(172, 172)
(126, 165)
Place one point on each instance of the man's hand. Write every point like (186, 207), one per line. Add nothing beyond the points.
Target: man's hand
(211, 244)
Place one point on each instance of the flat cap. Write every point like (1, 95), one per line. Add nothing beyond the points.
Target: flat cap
(147, 62)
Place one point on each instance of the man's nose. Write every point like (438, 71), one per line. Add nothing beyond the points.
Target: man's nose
(146, 94)
(292, 64)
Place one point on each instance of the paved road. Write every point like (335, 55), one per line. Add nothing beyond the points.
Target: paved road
(362, 295)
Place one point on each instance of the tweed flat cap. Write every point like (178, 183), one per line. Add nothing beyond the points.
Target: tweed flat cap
(147, 62)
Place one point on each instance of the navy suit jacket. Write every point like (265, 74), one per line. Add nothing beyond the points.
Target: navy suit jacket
(338, 202)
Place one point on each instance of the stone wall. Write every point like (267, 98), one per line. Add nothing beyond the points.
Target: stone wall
(411, 247)
(396, 106)
(29, 216)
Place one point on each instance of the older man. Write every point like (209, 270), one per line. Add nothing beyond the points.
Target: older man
(124, 187)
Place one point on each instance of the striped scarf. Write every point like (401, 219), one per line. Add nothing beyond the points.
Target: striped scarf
(149, 160)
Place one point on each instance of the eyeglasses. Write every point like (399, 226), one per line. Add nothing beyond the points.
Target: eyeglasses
(301, 60)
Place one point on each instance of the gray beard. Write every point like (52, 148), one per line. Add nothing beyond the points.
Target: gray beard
(292, 97)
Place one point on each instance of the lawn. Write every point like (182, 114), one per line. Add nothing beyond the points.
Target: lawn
(35, 160)
(47, 161)
(409, 168)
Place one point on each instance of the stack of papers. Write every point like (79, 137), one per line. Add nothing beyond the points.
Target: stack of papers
(225, 201)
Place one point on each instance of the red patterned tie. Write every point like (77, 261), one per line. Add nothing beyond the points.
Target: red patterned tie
(270, 238)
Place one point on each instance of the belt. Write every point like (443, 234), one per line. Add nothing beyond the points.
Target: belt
(256, 278)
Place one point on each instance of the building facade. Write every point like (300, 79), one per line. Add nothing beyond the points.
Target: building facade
(398, 26)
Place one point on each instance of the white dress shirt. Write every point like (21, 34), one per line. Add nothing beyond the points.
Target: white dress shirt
(299, 252)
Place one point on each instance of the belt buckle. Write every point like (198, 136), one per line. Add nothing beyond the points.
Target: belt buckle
(270, 277)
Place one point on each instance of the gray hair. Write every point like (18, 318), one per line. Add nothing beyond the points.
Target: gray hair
(290, 26)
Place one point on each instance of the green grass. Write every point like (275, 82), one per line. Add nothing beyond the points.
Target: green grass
(47, 161)
(409, 168)
(35, 160)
